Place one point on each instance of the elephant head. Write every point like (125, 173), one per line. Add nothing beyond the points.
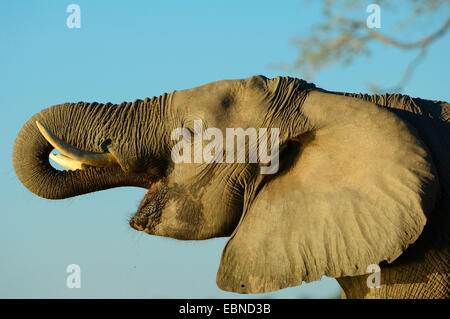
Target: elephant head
(353, 187)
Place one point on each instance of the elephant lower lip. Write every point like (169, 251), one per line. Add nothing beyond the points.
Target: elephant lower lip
(135, 226)
(148, 215)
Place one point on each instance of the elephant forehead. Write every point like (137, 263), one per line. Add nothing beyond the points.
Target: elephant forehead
(228, 103)
(208, 94)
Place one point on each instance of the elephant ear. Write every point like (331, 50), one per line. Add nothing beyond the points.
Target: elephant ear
(357, 192)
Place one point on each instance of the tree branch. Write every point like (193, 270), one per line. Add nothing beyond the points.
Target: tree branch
(411, 45)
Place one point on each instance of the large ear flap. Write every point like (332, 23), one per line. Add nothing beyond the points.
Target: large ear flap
(357, 193)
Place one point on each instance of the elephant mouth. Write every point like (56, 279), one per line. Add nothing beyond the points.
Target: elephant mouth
(107, 163)
(148, 215)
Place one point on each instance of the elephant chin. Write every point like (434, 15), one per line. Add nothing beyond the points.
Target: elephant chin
(149, 213)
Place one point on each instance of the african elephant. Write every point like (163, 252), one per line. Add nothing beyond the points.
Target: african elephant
(361, 180)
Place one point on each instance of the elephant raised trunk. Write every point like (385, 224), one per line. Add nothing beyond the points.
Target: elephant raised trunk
(102, 131)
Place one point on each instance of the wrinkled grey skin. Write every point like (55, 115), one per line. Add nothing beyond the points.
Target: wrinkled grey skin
(363, 180)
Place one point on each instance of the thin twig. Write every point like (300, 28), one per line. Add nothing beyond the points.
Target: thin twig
(411, 45)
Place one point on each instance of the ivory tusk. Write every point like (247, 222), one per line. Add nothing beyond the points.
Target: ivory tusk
(97, 159)
(67, 162)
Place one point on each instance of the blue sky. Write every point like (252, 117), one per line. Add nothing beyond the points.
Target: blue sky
(136, 49)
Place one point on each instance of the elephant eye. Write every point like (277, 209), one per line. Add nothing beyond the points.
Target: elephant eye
(227, 101)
